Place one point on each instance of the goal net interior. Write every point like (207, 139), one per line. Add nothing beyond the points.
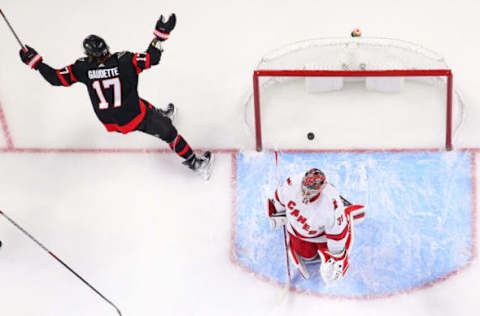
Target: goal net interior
(353, 93)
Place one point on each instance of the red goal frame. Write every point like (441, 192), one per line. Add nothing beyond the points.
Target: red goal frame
(353, 73)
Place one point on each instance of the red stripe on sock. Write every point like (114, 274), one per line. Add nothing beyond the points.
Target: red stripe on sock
(184, 151)
(175, 142)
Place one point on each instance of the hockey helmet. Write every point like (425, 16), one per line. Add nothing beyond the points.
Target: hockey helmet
(95, 46)
(313, 183)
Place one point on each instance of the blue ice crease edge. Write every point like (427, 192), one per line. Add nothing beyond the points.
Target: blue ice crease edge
(418, 227)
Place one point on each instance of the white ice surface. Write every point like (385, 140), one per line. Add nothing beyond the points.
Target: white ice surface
(145, 232)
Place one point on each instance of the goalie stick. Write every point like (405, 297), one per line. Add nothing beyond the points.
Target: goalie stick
(345, 201)
(59, 260)
(285, 242)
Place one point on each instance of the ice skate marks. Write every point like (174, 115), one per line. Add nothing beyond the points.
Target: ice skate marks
(418, 231)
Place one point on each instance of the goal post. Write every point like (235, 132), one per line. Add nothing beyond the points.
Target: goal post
(447, 73)
(319, 79)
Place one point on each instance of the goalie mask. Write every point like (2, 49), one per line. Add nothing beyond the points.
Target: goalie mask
(312, 184)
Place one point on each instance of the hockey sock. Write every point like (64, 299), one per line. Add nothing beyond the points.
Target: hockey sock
(181, 147)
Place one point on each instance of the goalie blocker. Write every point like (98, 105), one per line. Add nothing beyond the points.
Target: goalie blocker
(319, 223)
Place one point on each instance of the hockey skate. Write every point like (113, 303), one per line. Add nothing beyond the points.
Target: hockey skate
(170, 112)
(201, 164)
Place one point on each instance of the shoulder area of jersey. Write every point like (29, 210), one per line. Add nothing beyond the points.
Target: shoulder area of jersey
(82, 59)
(85, 59)
(121, 54)
(330, 189)
(294, 180)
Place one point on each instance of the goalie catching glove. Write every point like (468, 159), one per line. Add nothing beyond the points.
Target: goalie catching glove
(277, 219)
(333, 267)
(163, 29)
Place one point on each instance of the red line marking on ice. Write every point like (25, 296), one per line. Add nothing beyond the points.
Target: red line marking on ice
(234, 153)
(5, 129)
(361, 150)
(103, 150)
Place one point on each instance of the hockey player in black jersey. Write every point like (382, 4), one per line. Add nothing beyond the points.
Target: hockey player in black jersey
(112, 79)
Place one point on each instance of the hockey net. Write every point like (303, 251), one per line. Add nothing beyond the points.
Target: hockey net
(311, 77)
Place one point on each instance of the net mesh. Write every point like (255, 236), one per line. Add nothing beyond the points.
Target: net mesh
(352, 54)
(359, 53)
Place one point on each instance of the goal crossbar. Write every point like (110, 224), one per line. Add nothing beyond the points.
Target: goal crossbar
(447, 73)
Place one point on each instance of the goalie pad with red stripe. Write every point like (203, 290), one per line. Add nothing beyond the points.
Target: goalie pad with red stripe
(334, 266)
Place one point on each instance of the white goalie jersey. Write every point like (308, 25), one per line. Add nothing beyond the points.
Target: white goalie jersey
(319, 220)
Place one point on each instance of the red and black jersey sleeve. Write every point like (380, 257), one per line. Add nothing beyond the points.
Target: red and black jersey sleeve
(59, 77)
(143, 61)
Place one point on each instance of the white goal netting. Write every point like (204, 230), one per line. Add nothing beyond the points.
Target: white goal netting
(354, 55)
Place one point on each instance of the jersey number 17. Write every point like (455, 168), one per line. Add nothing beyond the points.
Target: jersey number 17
(100, 85)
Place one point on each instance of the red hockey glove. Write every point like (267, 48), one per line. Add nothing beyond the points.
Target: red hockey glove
(163, 29)
(30, 57)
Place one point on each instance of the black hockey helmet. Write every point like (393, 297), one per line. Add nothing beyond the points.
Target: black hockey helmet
(95, 46)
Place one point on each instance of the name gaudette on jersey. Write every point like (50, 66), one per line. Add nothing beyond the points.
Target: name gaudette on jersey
(103, 73)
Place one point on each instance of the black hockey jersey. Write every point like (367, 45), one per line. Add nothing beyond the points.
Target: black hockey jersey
(112, 86)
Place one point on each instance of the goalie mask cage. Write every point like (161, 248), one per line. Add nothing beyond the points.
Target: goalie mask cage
(335, 60)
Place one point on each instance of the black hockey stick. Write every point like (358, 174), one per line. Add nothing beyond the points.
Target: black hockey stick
(345, 201)
(11, 29)
(59, 260)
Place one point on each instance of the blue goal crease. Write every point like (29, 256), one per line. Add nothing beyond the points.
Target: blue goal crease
(418, 227)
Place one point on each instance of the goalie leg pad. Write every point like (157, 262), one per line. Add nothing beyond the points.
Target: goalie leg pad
(298, 262)
(334, 266)
(303, 252)
(305, 249)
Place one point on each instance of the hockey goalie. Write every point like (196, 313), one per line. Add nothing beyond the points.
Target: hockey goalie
(319, 222)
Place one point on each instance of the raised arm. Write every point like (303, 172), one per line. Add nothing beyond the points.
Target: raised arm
(56, 77)
(152, 55)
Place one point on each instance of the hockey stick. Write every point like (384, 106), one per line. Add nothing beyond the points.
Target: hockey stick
(287, 260)
(11, 29)
(281, 300)
(59, 260)
(345, 201)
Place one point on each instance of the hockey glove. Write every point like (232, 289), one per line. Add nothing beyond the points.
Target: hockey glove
(30, 57)
(333, 267)
(277, 219)
(163, 29)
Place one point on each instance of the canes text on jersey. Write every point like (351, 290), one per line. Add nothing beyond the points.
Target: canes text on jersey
(303, 220)
(103, 73)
